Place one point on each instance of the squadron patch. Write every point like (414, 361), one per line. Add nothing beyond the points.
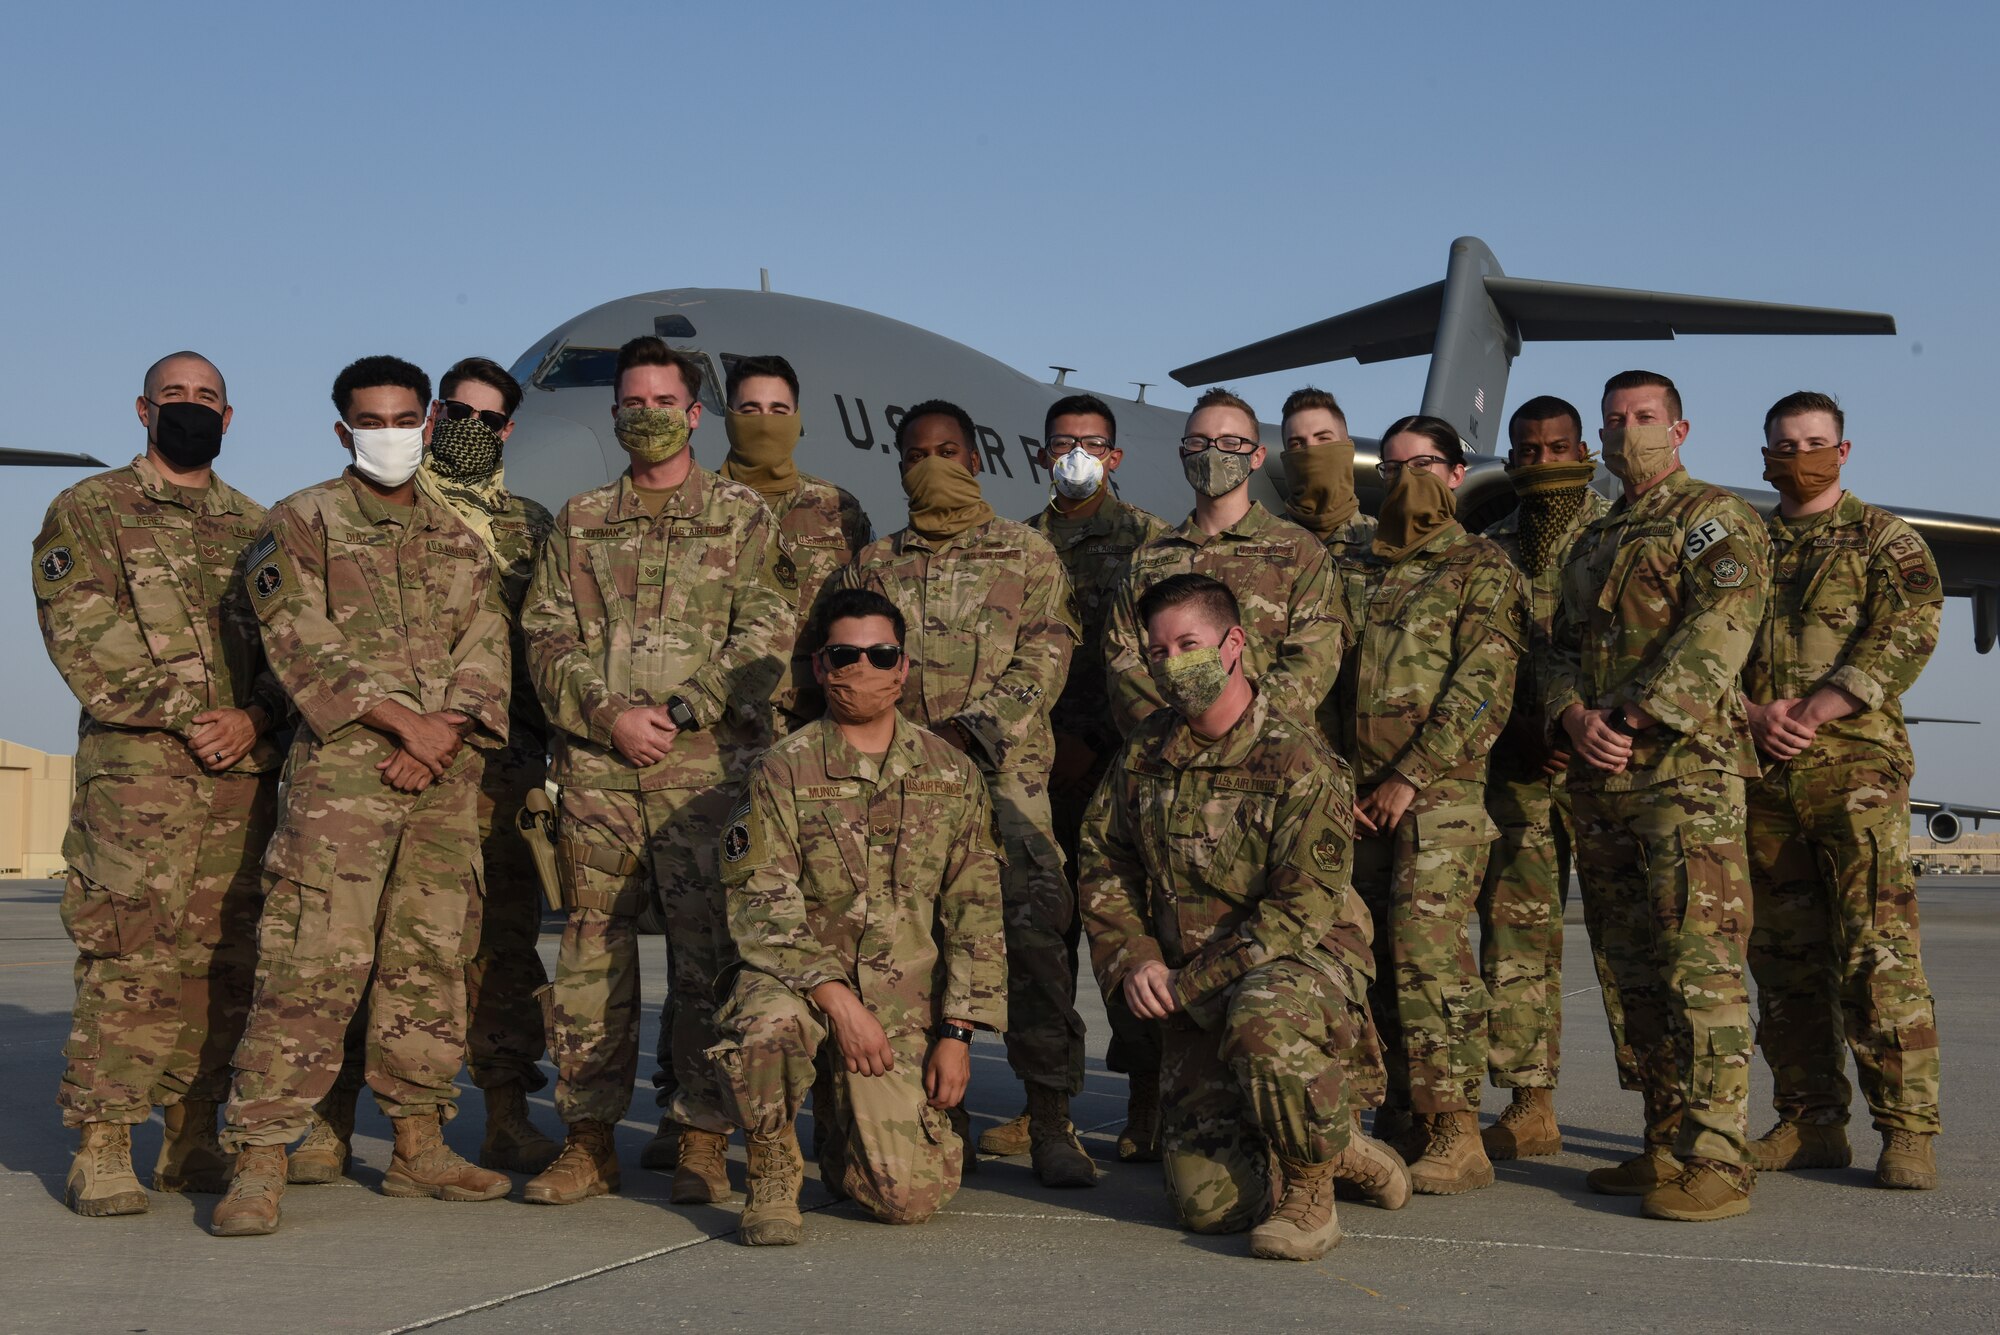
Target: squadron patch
(1918, 578)
(736, 835)
(1327, 853)
(787, 573)
(56, 564)
(1727, 572)
(268, 579)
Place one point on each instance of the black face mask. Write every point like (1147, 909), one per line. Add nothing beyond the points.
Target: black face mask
(187, 435)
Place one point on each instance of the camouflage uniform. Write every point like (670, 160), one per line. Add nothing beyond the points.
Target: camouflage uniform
(992, 624)
(820, 529)
(881, 875)
(1855, 603)
(1660, 600)
(364, 603)
(504, 1035)
(1428, 689)
(1227, 861)
(1093, 552)
(1527, 876)
(1291, 598)
(140, 607)
(626, 610)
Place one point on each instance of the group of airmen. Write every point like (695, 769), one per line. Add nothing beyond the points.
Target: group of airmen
(882, 793)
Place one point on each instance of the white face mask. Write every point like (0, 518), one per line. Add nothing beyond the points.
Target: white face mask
(388, 455)
(1078, 475)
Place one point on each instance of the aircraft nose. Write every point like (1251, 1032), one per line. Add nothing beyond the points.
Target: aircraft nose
(551, 457)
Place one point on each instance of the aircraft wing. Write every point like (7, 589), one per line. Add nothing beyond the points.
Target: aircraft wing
(47, 459)
(1921, 807)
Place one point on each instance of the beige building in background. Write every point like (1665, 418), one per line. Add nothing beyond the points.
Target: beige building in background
(35, 790)
(1973, 853)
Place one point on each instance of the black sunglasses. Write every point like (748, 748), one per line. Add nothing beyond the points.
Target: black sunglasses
(458, 412)
(880, 656)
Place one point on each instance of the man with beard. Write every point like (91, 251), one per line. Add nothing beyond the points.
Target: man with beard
(992, 625)
(143, 612)
(865, 904)
(1854, 612)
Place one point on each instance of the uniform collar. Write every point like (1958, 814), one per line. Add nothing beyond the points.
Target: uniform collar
(1256, 520)
(839, 759)
(684, 502)
(1847, 511)
(1100, 524)
(219, 499)
(423, 512)
(1184, 750)
(909, 538)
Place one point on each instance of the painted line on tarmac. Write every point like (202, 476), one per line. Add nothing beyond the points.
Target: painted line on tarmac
(34, 964)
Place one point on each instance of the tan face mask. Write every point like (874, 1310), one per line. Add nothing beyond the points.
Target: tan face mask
(1319, 486)
(1638, 454)
(1417, 508)
(1551, 498)
(760, 451)
(1803, 477)
(860, 693)
(944, 498)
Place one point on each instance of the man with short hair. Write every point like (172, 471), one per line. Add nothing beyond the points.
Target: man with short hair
(382, 620)
(1527, 877)
(992, 626)
(1293, 615)
(656, 632)
(865, 904)
(1318, 461)
(1853, 618)
(1661, 599)
(137, 592)
(1215, 887)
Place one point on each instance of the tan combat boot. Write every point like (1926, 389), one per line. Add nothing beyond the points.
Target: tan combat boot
(250, 1208)
(1527, 1129)
(771, 1216)
(423, 1165)
(1059, 1157)
(587, 1166)
(1637, 1175)
(1703, 1191)
(101, 1181)
(1908, 1162)
(663, 1152)
(1139, 1142)
(1007, 1139)
(1455, 1161)
(513, 1143)
(191, 1158)
(1304, 1226)
(1368, 1170)
(702, 1176)
(1790, 1145)
(323, 1156)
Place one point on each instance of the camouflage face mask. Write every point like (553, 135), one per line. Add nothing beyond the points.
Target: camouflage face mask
(1638, 454)
(1191, 682)
(652, 435)
(1214, 472)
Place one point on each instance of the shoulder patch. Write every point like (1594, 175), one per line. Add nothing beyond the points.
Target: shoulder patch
(1327, 853)
(55, 562)
(1703, 536)
(263, 550)
(786, 572)
(736, 834)
(1727, 572)
(266, 580)
(1916, 576)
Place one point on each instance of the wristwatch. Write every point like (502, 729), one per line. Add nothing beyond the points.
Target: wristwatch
(946, 1029)
(682, 715)
(1615, 719)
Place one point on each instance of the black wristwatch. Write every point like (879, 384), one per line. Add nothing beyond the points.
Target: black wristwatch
(1615, 720)
(683, 717)
(946, 1029)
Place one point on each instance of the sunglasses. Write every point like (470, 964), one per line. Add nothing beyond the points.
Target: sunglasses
(458, 412)
(883, 657)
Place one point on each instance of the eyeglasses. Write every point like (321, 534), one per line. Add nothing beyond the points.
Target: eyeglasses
(882, 657)
(1094, 446)
(1227, 444)
(1389, 469)
(1784, 449)
(458, 412)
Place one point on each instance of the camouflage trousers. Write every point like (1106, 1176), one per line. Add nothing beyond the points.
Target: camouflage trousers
(371, 895)
(1836, 950)
(895, 1155)
(1044, 1031)
(642, 844)
(162, 900)
(1421, 884)
(1521, 906)
(1134, 1047)
(504, 1033)
(1666, 879)
(1254, 1072)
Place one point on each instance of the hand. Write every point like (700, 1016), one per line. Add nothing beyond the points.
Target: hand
(405, 773)
(1382, 810)
(947, 1071)
(1594, 739)
(644, 734)
(1779, 731)
(863, 1046)
(1556, 763)
(1149, 991)
(221, 737)
(432, 739)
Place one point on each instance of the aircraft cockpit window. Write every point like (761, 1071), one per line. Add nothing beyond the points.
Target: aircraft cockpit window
(672, 326)
(531, 362)
(580, 368)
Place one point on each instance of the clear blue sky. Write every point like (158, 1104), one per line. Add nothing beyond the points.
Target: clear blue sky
(1118, 188)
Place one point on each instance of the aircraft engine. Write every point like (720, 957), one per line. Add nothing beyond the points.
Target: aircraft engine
(1945, 826)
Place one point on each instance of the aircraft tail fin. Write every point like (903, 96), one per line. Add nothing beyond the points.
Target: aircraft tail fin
(1473, 324)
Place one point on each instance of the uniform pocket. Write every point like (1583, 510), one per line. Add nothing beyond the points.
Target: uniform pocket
(1455, 827)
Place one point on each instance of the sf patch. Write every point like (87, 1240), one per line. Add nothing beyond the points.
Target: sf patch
(1703, 536)
(1727, 572)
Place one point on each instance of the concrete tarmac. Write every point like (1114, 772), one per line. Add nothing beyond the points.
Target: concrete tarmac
(1819, 1251)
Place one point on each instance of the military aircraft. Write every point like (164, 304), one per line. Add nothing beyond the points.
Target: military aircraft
(859, 371)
